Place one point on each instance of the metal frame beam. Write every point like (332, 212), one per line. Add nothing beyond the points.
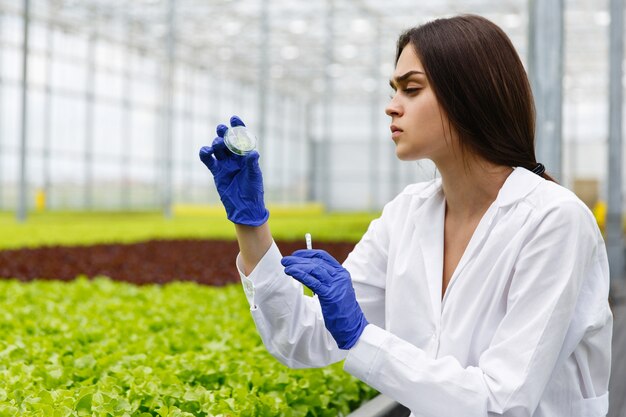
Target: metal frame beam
(22, 203)
(546, 76)
(614, 223)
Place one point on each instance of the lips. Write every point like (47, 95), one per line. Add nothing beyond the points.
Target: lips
(395, 131)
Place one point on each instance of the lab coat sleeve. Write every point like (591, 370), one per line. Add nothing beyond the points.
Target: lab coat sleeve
(513, 371)
(290, 323)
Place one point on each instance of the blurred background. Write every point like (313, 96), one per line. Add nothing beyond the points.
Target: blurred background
(120, 95)
(104, 105)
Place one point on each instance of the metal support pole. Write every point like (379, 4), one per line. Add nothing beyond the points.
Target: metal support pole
(546, 76)
(264, 79)
(327, 122)
(89, 124)
(614, 225)
(126, 123)
(573, 155)
(284, 146)
(215, 101)
(210, 94)
(47, 113)
(299, 146)
(189, 127)
(1, 135)
(311, 164)
(169, 112)
(23, 184)
(214, 96)
(213, 115)
(374, 180)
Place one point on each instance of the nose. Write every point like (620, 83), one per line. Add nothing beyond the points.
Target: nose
(394, 108)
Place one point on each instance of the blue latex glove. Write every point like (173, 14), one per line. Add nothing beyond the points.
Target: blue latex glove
(238, 179)
(332, 283)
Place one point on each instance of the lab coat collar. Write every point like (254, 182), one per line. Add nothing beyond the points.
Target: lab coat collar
(429, 224)
(518, 185)
(430, 189)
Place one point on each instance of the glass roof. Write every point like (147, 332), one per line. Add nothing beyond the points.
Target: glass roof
(226, 36)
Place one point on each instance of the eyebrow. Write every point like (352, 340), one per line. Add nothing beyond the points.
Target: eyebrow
(404, 77)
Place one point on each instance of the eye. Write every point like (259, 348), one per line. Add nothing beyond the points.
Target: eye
(411, 90)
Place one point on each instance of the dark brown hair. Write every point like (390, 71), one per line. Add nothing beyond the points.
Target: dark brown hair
(481, 85)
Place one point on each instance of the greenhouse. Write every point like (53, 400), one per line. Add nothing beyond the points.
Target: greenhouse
(126, 289)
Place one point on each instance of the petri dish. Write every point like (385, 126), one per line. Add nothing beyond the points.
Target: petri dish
(239, 140)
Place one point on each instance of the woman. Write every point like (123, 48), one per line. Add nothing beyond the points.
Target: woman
(480, 293)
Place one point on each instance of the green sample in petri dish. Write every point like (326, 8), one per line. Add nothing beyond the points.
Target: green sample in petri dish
(239, 140)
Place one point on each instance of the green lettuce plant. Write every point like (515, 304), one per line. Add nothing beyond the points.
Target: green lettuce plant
(105, 348)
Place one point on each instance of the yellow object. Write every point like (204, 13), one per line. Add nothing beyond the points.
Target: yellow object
(40, 199)
(599, 212)
(198, 210)
(588, 190)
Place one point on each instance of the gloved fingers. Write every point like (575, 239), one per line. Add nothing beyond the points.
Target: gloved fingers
(252, 159)
(206, 156)
(318, 254)
(236, 121)
(309, 266)
(221, 130)
(219, 149)
(305, 278)
(295, 260)
(317, 258)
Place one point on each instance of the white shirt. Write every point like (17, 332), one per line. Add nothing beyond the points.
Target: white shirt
(524, 328)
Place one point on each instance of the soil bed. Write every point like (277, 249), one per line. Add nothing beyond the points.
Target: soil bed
(209, 262)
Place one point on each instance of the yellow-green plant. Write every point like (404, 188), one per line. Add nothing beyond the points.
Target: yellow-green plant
(85, 228)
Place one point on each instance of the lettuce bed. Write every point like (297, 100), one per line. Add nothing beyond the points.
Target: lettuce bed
(89, 228)
(105, 348)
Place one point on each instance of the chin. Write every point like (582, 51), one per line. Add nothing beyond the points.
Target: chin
(407, 155)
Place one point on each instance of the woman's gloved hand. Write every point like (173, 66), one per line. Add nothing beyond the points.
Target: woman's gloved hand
(332, 283)
(238, 179)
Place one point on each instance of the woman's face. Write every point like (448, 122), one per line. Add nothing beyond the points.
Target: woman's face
(419, 127)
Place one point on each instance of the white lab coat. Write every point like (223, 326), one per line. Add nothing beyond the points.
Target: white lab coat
(524, 328)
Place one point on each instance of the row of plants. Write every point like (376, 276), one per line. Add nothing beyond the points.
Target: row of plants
(97, 347)
(87, 228)
(105, 348)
